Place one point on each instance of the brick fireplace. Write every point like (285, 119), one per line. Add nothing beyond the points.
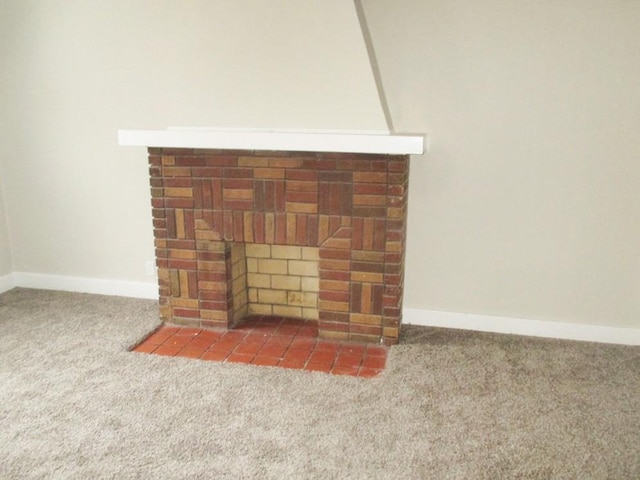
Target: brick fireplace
(313, 234)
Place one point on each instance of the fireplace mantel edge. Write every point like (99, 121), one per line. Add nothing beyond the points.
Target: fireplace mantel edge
(347, 142)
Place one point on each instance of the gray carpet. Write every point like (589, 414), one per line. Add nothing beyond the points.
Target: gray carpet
(75, 404)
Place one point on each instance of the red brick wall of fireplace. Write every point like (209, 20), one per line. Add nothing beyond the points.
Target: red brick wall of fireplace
(353, 207)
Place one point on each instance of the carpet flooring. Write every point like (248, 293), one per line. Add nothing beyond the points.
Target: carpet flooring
(76, 404)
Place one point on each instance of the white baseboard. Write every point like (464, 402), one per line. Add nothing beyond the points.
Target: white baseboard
(7, 283)
(519, 326)
(412, 316)
(98, 286)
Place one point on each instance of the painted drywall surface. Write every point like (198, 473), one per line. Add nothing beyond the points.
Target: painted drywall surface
(78, 71)
(527, 204)
(5, 246)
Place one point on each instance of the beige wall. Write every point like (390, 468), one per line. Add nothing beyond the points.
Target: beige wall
(526, 205)
(5, 250)
(528, 202)
(79, 70)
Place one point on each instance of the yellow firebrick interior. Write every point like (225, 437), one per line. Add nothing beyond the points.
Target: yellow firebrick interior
(274, 280)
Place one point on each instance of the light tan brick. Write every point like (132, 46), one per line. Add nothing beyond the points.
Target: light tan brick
(393, 247)
(294, 207)
(335, 285)
(310, 253)
(240, 300)
(367, 277)
(211, 246)
(310, 313)
(285, 282)
(340, 243)
(371, 200)
(214, 315)
(257, 250)
(286, 252)
(239, 285)
(252, 295)
(201, 224)
(278, 267)
(274, 173)
(272, 297)
(327, 264)
(238, 269)
(287, 311)
(163, 274)
(182, 254)
(239, 313)
(237, 251)
(369, 177)
(333, 335)
(366, 256)
(302, 299)
(285, 162)
(260, 309)
(258, 280)
(184, 283)
(180, 228)
(184, 302)
(363, 338)
(207, 235)
(180, 192)
(212, 286)
(302, 186)
(334, 306)
(215, 267)
(390, 332)
(237, 194)
(165, 312)
(176, 171)
(310, 284)
(303, 268)
(252, 265)
(253, 162)
(366, 319)
(393, 212)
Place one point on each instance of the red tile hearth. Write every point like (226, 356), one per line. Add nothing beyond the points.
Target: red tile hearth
(269, 341)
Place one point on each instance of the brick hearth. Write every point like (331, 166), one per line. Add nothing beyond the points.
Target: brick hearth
(351, 207)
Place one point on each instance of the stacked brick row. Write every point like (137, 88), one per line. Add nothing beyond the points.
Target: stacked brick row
(351, 206)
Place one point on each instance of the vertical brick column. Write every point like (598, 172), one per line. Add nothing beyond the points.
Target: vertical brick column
(395, 243)
(352, 207)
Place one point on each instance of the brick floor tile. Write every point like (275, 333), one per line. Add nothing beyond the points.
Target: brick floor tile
(374, 362)
(266, 361)
(318, 367)
(145, 348)
(168, 351)
(215, 355)
(291, 363)
(369, 372)
(348, 360)
(247, 348)
(345, 370)
(272, 350)
(191, 352)
(319, 356)
(239, 358)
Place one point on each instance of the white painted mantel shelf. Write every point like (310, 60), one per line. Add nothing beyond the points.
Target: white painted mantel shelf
(302, 141)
